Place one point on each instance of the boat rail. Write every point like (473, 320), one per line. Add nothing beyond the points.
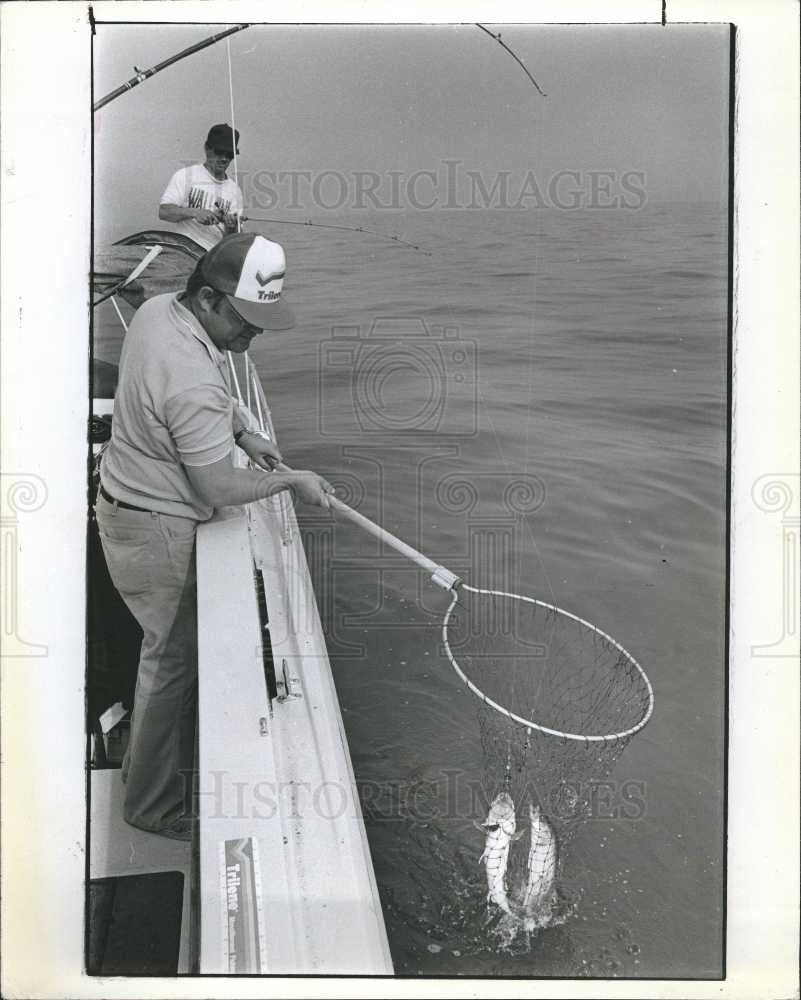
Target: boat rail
(286, 882)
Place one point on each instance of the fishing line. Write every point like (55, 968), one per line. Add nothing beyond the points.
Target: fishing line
(285, 222)
(233, 124)
(232, 368)
(238, 216)
(539, 126)
(540, 112)
(539, 129)
(247, 378)
(348, 229)
(262, 424)
(142, 75)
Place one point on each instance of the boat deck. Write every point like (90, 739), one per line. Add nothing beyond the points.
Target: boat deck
(120, 851)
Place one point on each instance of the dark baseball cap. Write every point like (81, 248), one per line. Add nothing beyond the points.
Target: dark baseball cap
(223, 137)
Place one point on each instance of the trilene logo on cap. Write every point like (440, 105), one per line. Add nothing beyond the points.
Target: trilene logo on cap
(269, 294)
(261, 280)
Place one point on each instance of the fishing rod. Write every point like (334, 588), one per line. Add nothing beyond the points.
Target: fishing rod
(516, 58)
(329, 225)
(142, 75)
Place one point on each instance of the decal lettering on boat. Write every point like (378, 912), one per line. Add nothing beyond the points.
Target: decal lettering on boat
(242, 914)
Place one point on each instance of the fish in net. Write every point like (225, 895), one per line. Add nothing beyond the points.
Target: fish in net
(558, 701)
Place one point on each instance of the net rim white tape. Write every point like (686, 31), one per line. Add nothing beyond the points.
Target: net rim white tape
(527, 722)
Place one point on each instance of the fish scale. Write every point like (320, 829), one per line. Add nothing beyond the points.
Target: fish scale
(501, 826)
(542, 858)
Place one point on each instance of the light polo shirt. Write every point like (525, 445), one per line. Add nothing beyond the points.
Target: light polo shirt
(173, 408)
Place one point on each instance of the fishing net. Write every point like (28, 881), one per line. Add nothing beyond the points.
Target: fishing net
(559, 698)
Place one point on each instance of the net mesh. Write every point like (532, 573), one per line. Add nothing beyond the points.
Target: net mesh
(581, 696)
(543, 664)
(555, 672)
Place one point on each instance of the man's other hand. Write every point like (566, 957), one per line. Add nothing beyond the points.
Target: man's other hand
(310, 488)
(206, 217)
(261, 451)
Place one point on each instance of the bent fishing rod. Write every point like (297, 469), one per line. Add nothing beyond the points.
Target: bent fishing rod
(516, 58)
(142, 75)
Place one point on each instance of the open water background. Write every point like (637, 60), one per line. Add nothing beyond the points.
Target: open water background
(572, 372)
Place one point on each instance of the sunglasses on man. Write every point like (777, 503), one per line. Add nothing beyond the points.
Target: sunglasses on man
(223, 154)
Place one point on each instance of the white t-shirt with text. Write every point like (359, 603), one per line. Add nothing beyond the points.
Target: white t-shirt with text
(194, 187)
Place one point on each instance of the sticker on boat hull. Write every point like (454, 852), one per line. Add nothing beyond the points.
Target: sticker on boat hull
(243, 917)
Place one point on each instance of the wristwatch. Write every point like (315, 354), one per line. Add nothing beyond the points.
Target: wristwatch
(248, 430)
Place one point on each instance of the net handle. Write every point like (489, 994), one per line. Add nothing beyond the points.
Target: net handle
(439, 574)
(527, 722)
(444, 578)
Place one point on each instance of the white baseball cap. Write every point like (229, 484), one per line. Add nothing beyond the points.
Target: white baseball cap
(249, 270)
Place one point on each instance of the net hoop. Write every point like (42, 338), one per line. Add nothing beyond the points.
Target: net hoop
(527, 722)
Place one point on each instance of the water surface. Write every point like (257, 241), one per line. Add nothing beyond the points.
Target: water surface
(579, 360)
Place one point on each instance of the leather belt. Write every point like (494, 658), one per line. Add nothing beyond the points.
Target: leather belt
(120, 503)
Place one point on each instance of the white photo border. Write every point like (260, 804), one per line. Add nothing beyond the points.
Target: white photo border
(46, 190)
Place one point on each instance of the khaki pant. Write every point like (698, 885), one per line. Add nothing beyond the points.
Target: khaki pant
(151, 561)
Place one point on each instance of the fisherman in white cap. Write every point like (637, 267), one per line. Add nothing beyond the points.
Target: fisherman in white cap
(201, 199)
(168, 465)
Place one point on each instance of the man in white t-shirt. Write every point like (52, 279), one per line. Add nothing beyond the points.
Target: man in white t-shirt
(201, 199)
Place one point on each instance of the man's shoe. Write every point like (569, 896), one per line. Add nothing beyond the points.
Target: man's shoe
(179, 829)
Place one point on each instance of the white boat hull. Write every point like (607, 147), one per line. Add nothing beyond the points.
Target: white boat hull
(287, 883)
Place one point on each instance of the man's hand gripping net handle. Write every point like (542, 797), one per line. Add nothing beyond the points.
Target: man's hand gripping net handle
(439, 574)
